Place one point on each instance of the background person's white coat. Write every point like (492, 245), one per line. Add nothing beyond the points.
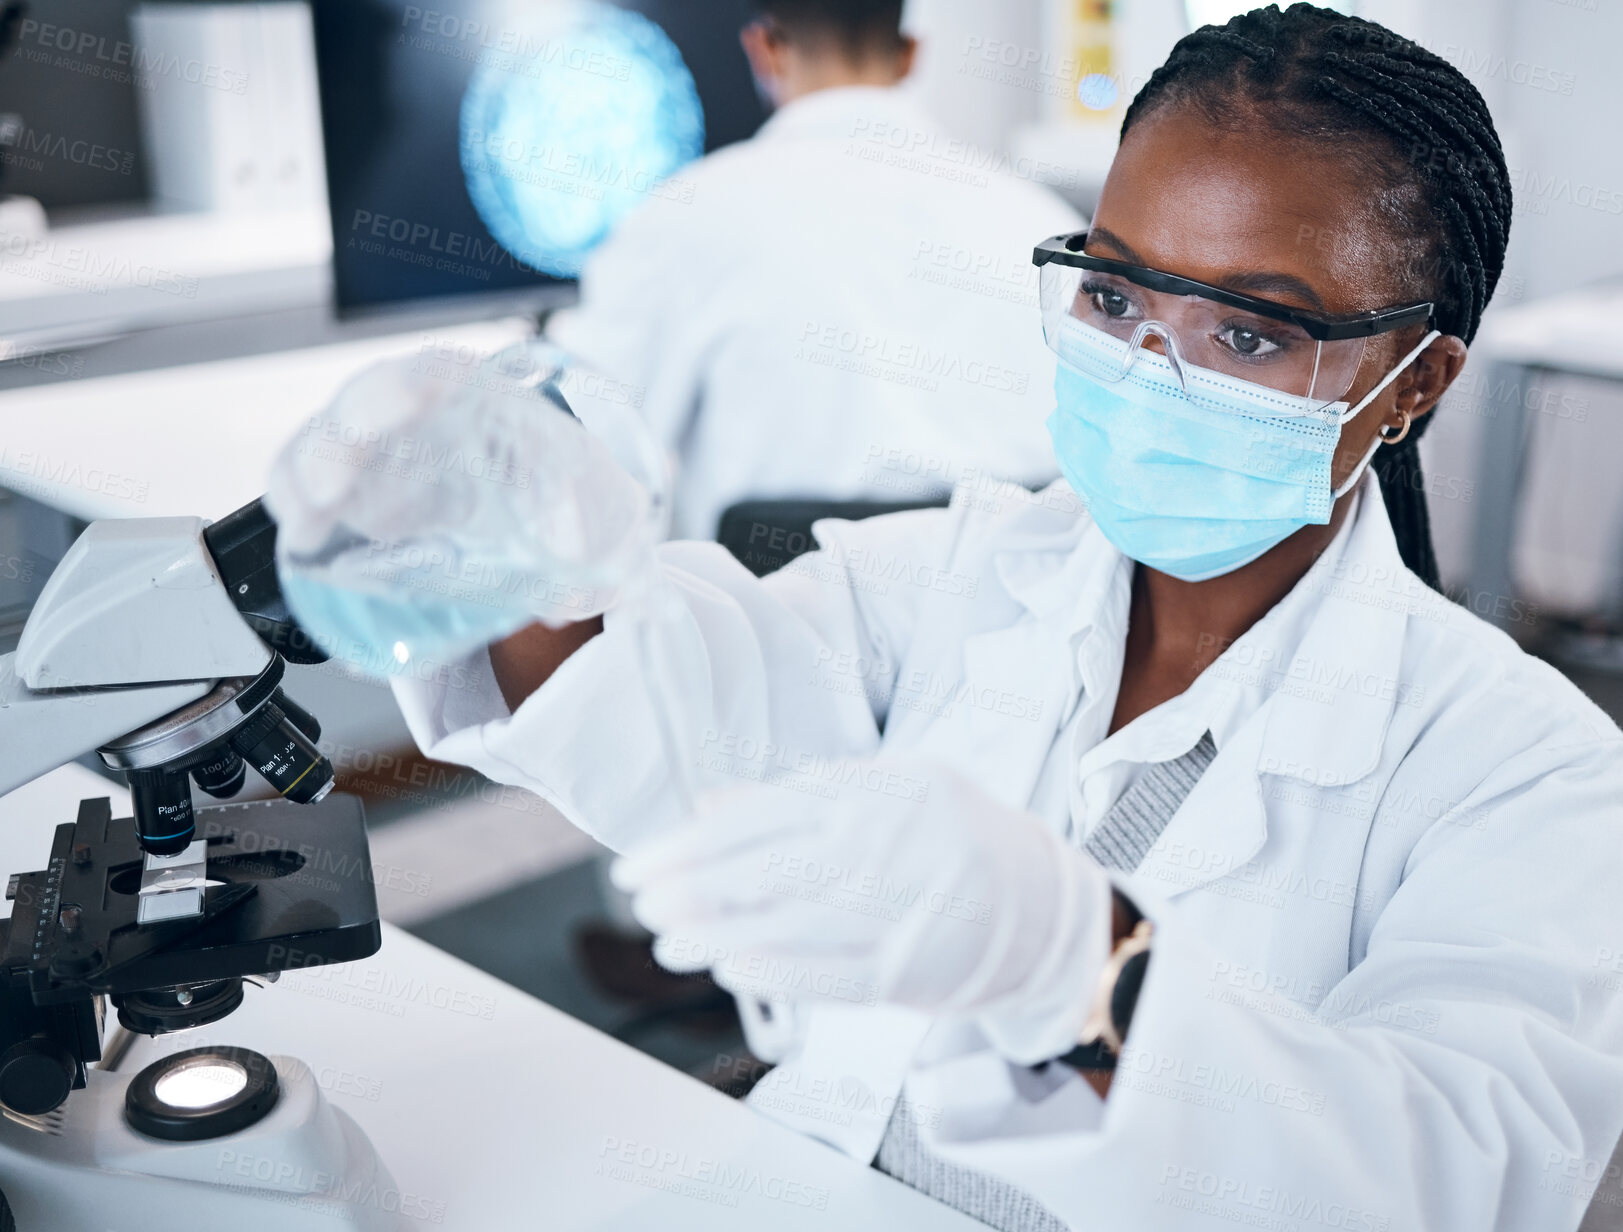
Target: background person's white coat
(843, 306)
(1383, 992)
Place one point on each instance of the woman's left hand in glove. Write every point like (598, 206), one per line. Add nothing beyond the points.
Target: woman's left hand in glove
(912, 887)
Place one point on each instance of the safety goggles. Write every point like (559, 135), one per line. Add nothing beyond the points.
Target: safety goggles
(1206, 332)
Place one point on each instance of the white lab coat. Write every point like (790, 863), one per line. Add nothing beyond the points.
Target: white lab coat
(1383, 985)
(842, 307)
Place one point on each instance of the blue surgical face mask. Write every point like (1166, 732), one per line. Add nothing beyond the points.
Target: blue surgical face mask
(1194, 490)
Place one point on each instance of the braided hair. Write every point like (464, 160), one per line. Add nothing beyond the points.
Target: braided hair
(1436, 162)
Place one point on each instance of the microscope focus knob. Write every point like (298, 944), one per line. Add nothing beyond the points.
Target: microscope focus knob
(35, 1076)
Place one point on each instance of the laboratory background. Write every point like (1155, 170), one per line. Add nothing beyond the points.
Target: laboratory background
(214, 215)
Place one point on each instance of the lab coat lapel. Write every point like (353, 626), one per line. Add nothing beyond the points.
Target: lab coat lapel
(1325, 723)
(1220, 825)
(1061, 576)
(1329, 719)
(1017, 680)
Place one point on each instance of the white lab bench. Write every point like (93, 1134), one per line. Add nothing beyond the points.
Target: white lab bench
(486, 1104)
(196, 439)
(102, 278)
(495, 1111)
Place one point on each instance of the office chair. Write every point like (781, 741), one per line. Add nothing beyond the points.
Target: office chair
(765, 535)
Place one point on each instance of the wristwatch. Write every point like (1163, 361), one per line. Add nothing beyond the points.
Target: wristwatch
(1100, 1040)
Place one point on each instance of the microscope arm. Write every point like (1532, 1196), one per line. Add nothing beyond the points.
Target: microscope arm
(136, 601)
(43, 729)
(134, 623)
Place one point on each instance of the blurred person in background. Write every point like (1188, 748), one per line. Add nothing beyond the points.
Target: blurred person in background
(841, 309)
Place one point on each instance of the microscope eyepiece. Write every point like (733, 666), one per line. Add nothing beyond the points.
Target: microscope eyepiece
(243, 545)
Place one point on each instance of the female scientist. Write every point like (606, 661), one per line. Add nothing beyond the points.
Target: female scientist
(1178, 852)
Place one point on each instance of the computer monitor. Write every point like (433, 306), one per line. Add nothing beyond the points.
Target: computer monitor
(483, 147)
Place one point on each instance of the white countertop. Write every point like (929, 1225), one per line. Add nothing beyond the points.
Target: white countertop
(1579, 331)
(88, 280)
(504, 1113)
(196, 439)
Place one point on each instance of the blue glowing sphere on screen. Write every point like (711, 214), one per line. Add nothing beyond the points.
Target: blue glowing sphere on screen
(571, 123)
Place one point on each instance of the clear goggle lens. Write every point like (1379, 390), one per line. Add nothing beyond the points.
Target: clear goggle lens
(1201, 339)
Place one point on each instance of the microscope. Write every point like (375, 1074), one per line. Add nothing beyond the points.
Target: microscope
(160, 644)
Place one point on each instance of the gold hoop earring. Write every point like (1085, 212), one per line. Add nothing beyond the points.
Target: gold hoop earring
(1401, 432)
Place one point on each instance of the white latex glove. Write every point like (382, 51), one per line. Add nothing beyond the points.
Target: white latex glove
(436, 505)
(943, 901)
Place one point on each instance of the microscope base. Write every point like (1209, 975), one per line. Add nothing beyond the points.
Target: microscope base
(305, 1167)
